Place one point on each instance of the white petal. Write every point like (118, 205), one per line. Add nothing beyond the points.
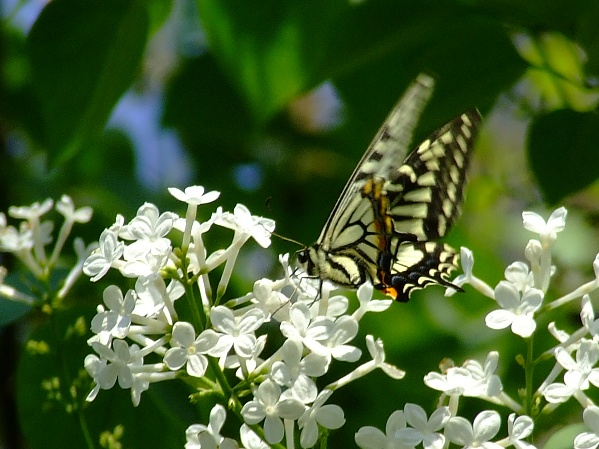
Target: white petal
(290, 408)
(459, 431)
(533, 222)
(330, 416)
(370, 438)
(557, 220)
(523, 325)
(591, 418)
(218, 414)
(309, 434)
(557, 392)
(175, 358)
(499, 319)
(197, 365)
(223, 319)
(507, 295)
(415, 416)
(586, 440)
(486, 425)
(273, 429)
(565, 359)
(408, 436)
(253, 412)
(183, 334)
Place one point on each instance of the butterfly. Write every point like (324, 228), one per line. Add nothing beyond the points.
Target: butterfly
(395, 206)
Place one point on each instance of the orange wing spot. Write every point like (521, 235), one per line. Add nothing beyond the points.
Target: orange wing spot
(390, 291)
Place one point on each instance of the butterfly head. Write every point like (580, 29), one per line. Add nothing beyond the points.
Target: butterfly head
(306, 259)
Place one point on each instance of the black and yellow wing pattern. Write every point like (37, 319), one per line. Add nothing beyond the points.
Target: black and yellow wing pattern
(395, 205)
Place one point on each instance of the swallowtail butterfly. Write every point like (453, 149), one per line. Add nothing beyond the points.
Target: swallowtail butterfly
(392, 210)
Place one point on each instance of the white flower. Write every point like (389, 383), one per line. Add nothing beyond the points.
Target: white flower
(250, 440)
(344, 330)
(589, 440)
(581, 371)
(272, 302)
(587, 317)
(109, 251)
(377, 352)
(328, 416)
(116, 321)
(423, 430)
(119, 367)
(372, 438)
(295, 373)
(200, 436)
(244, 364)
(268, 406)
(149, 265)
(153, 295)
(547, 230)
(517, 311)
(31, 213)
(518, 274)
(458, 430)
(518, 429)
(367, 304)
(302, 328)
(242, 221)
(236, 332)
(456, 381)
(471, 379)
(148, 230)
(15, 241)
(67, 209)
(194, 195)
(467, 263)
(188, 350)
(484, 380)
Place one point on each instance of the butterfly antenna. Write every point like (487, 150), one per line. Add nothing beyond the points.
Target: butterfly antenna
(268, 201)
(282, 237)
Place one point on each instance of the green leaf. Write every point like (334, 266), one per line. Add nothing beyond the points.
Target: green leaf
(11, 311)
(564, 438)
(563, 153)
(269, 49)
(84, 55)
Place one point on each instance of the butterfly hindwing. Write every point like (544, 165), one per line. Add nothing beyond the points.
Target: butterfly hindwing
(384, 225)
(414, 266)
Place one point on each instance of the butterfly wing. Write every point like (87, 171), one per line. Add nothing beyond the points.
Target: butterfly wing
(384, 155)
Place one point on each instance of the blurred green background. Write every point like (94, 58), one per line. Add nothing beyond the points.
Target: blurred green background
(272, 104)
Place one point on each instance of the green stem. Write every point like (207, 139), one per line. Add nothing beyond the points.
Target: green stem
(196, 307)
(528, 373)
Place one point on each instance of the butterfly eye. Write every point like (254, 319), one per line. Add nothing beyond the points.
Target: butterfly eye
(302, 256)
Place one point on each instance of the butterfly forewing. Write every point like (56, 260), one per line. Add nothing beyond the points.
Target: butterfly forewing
(383, 226)
(425, 194)
(384, 155)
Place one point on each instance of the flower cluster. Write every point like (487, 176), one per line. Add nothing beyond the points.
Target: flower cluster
(28, 244)
(145, 335)
(140, 338)
(521, 297)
